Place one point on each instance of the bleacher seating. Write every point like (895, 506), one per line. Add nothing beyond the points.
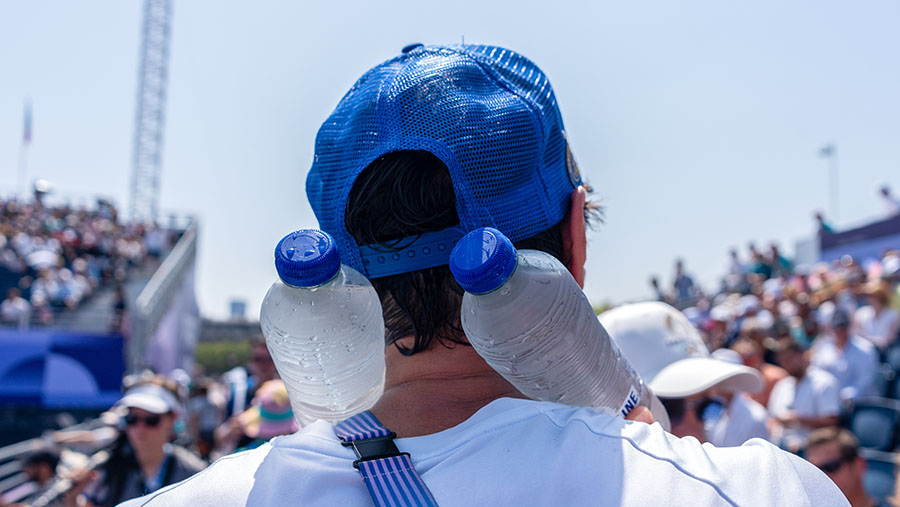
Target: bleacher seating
(880, 477)
(874, 422)
(885, 381)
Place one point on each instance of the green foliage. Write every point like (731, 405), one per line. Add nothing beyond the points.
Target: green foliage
(219, 357)
(602, 307)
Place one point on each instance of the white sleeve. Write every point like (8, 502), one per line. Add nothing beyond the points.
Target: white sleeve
(893, 327)
(758, 429)
(829, 402)
(869, 377)
(777, 405)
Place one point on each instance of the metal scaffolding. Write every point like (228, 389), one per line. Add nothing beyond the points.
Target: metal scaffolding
(149, 122)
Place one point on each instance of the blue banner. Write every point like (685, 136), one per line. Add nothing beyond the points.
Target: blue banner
(866, 242)
(60, 369)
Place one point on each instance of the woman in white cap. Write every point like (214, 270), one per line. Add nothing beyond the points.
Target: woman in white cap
(143, 459)
(703, 394)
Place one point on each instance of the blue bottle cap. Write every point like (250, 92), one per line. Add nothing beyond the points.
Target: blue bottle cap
(483, 260)
(307, 258)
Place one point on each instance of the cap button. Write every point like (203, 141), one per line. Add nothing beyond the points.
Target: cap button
(411, 47)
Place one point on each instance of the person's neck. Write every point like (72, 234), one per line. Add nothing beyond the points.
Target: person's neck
(841, 341)
(861, 499)
(437, 389)
(150, 461)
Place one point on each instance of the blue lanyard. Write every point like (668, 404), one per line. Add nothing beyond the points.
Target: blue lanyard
(388, 473)
(150, 487)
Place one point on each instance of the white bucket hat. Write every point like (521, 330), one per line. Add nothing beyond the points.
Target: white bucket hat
(669, 354)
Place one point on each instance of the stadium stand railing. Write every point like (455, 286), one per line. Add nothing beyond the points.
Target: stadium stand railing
(11, 457)
(158, 294)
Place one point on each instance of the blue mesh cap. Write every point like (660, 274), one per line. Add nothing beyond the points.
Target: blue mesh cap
(487, 113)
(483, 260)
(306, 258)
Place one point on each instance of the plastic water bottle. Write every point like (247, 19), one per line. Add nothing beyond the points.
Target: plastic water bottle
(528, 318)
(323, 326)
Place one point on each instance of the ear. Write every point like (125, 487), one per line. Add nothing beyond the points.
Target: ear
(574, 236)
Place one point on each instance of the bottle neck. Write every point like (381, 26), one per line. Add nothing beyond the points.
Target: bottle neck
(502, 283)
(336, 279)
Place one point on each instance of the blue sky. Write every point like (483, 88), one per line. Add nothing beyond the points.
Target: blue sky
(697, 122)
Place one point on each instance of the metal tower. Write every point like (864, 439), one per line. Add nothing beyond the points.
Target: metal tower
(149, 121)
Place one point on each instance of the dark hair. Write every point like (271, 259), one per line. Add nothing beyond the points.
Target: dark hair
(402, 194)
(789, 345)
(847, 442)
(49, 458)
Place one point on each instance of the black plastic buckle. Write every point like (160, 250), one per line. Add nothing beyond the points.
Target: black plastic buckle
(368, 449)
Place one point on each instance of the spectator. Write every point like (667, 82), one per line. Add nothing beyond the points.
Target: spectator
(803, 327)
(40, 470)
(780, 265)
(699, 391)
(807, 400)
(15, 309)
(835, 451)
(852, 360)
(891, 203)
(760, 265)
(743, 418)
(683, 285)
(738, 271)
(242, 389)
(203, 418)
(143, 460)
(262, 369)
(823, 227)
(751, 354)
(716, 329)
(119, 320)
(657, 290)
(876, 321)
(736, 267)
(451, 119)
(269, 416)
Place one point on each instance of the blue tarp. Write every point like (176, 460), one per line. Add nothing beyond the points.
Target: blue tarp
(60, 369)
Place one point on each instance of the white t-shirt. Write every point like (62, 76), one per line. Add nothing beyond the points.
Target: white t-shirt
(881, 330)
(744, 419)
(517, 452)
(855, 367)
(816, 395)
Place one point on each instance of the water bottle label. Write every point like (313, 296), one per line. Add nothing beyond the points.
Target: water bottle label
(630, 402)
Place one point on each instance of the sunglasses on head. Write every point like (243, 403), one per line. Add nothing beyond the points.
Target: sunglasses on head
(832, 466)
(151, 421)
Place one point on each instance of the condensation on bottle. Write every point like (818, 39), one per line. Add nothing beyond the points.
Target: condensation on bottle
(324, 328)
(525, 314)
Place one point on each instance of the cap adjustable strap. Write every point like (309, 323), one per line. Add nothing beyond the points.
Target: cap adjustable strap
(388, 473)
(411, 253)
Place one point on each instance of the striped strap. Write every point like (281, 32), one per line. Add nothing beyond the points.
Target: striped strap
(388, 473)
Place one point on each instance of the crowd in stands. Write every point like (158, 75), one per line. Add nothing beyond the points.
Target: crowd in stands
(55, 257)
(824, 341)
(816, 336)
(163, 430)
(819, 338)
